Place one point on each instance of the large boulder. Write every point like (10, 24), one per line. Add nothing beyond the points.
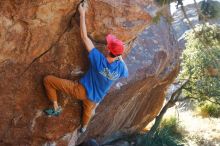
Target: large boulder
(42, 37)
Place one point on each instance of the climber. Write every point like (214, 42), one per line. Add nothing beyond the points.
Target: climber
(93, 86)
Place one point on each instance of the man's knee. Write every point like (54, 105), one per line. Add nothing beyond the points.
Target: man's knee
(47, 79)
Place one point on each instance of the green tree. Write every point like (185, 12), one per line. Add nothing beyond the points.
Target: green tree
(200, 61)
(210, 9)
(199, 78)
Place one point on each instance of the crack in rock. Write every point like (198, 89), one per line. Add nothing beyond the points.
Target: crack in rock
(54, 44)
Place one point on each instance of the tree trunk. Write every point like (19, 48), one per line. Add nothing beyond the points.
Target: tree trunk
(159, 118)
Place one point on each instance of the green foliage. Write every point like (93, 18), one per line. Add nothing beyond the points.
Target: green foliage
(201, 60)
(169, 133)
(209, 110)
(210, 9)
(156, 19)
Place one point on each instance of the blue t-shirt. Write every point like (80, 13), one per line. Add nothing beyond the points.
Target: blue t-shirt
(101, 75)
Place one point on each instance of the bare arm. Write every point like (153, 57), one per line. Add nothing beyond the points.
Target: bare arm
(83, 31)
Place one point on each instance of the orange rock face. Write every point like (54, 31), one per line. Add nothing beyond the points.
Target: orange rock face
(119, 17)
(42, 37)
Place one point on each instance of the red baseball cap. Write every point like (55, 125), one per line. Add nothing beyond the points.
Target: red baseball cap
(114, 45)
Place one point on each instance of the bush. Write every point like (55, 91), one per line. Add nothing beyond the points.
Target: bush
(168, 134)
(201, 60)
(210, 9)
(209, 110)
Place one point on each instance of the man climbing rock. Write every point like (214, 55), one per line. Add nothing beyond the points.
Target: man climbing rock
(94, 85)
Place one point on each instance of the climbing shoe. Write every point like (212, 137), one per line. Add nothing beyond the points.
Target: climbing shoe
(82, 130)
(52, 112)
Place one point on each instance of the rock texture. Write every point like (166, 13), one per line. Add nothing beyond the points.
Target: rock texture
(38, 38)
